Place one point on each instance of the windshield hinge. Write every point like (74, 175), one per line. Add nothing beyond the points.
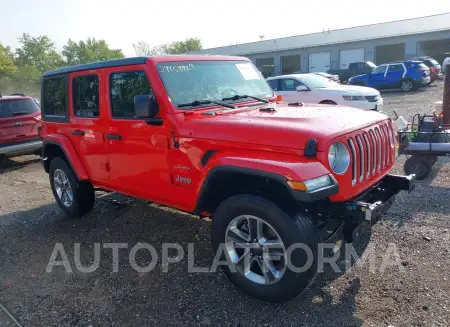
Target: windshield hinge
(176, 144)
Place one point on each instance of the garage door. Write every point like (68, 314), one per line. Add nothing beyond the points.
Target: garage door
(346, 57)
(319, 62)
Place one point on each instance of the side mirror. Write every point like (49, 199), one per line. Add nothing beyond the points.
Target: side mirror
(301, 88)
(145, 106)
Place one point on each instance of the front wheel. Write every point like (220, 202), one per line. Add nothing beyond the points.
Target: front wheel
(74, 197)
(270, 254)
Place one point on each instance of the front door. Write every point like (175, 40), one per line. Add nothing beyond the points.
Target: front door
(377, 78)
(138, 152)
(288, 89)
(87, 124)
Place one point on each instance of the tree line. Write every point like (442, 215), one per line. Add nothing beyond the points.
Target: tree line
(21, 69)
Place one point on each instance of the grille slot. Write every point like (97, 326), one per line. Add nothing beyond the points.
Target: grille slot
(353, 153)
(361, 158)
(370, 152)
(382, 147)
(372, 98)
(374, 151)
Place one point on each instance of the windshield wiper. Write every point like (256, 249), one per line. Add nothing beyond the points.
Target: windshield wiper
(20, 113)
(198, 103)
(237, 97)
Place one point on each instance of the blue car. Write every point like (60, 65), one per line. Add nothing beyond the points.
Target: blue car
(406, 75)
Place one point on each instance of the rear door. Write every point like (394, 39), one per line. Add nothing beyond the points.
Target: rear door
(87, 123)
(394, 75)
(19, 120)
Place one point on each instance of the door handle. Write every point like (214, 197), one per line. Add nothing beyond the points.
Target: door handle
(78, 132)
(114, 136)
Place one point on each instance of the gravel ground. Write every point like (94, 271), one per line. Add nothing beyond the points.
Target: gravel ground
(412, 292)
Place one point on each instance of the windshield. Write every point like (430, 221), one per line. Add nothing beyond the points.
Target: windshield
(316, 82)
(12, 108)
(190, 81)
(371, 64)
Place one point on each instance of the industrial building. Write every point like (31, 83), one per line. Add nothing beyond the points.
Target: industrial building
(335, 49)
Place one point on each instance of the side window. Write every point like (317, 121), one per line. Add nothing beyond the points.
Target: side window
(273, 84)
(54, 96)
(395, 68)
(85, 94)
(123, 87)
(289, 84)
(379, 70)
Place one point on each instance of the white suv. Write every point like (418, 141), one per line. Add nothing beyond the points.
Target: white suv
(311, 88)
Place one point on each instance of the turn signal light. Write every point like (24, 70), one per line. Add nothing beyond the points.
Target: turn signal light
(279, 98)
(298, 186)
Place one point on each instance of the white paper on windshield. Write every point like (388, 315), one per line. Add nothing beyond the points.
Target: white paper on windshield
(248, 71)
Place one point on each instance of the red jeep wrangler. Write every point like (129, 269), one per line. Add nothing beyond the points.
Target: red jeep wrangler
(206, 135)
(20, 119)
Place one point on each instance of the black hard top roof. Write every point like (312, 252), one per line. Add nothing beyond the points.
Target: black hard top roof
(97, 65)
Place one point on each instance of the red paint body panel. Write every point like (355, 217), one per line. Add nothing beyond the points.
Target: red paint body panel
(163, 163)
(57, 137)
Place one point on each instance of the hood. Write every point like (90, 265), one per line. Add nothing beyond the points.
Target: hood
(362, 76)
(353, 90)
(286, 127)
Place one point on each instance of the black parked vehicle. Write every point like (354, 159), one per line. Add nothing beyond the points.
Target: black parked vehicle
(354, 69)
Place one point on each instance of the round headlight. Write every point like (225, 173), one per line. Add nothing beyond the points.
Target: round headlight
(338, 158)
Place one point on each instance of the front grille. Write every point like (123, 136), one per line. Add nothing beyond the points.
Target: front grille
(372, 98)
(370, 151)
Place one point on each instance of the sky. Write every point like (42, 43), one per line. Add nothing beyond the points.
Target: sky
(124, 22)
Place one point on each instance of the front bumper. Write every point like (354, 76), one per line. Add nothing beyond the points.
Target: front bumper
(367, 105)
(426, 80)
(373, 203)
(21, 148)
(365, 210)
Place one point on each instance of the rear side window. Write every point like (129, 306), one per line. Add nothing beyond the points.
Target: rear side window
(13, 108)
(123, 87)
(395, 68)
(273, 84)
(85, 94)
(54, 98)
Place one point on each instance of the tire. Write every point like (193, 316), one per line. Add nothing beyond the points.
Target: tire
(83, 195)
(406, 85)
(417, 165)
(327, 102)
(288, 228)
(431, 160)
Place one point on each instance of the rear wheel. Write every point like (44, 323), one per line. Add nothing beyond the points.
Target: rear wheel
(406, 85)
(419, 166)
(74, 197)
(258, 239)
(328, 102)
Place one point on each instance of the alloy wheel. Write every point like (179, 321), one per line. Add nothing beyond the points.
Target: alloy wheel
(63, 187)
(255, 249)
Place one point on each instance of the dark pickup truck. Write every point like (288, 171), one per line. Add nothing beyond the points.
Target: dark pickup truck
(354, 69)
